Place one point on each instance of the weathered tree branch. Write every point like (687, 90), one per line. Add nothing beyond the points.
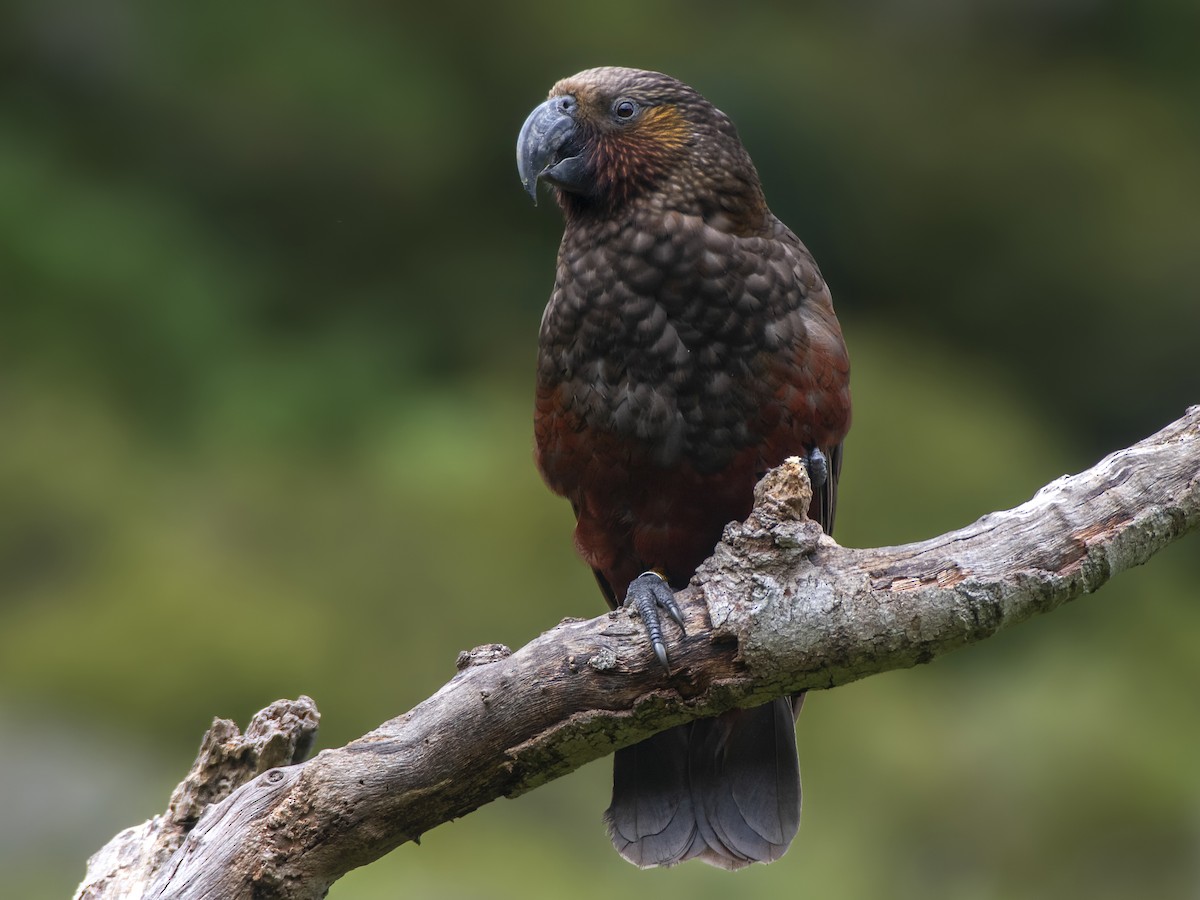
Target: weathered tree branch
(779, 608)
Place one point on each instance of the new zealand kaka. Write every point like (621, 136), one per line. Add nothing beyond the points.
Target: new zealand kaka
(689, 345)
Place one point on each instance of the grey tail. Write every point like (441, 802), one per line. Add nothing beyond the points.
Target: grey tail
(723, 790)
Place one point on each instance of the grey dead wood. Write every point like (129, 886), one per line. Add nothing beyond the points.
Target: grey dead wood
(779, 608)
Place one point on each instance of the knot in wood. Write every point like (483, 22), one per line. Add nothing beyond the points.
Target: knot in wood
(605, 659)
(784, 494)
(482, 655)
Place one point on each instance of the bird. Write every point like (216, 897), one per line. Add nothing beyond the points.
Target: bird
(688, 346)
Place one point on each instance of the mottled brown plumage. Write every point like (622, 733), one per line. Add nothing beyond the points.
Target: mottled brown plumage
(689, 345)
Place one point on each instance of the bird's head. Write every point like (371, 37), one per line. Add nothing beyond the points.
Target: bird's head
(609, 136)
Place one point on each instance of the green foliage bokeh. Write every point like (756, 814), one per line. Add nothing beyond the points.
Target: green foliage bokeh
(269, 294)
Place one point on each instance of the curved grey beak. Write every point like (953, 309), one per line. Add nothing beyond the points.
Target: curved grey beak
(547, 144)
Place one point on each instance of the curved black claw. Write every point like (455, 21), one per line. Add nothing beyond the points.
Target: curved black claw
(818, 468)
(646, 594)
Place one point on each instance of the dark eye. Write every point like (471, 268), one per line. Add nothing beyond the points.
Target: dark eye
(625, 109)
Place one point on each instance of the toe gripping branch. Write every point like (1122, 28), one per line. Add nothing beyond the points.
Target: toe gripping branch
(818, 468)
(650, 592)
(647, 593)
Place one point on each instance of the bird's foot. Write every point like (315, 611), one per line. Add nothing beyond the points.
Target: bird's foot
(647, 593)
(818, 468)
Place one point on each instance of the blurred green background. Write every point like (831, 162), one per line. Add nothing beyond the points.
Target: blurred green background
(269, 294)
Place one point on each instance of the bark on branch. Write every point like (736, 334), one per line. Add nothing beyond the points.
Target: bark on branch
(779, 608)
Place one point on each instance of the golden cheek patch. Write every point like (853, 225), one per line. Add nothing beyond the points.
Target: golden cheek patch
(665, 126)
(629, 157)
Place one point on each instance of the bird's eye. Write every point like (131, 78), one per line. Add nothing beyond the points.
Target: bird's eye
(625, 109)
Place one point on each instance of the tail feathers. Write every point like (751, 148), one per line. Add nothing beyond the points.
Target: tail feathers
(724, 790)
(651, 820)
